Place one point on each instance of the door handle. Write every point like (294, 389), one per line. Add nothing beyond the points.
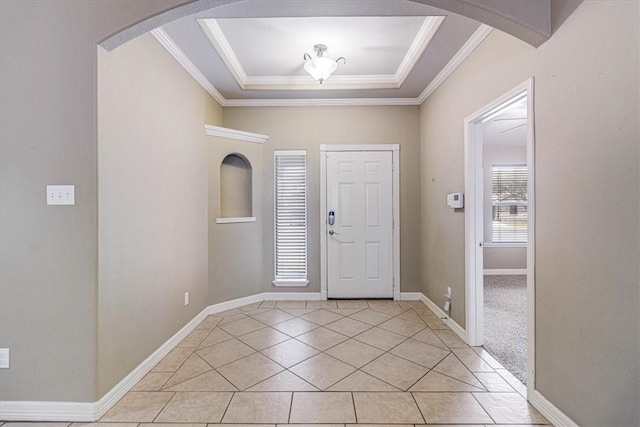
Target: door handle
(331, 232)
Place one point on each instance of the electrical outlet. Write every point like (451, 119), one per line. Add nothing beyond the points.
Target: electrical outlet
(447, 306)
(4, 358)
(448, 294)
(61, 195)
(186, 298)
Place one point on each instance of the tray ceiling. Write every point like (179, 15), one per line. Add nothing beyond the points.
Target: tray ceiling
(390, 58)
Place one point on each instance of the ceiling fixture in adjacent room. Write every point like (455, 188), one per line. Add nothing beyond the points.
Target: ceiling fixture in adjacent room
(320, 67)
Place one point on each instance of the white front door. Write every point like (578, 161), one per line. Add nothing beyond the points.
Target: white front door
(360, 241)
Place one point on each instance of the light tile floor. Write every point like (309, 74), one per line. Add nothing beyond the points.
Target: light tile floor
(323, 363)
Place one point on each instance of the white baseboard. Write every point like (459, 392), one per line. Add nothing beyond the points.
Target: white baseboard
(550, 411)
(411, 296)
(92, 411)
(505, 272)
(459, 330)
(47, 411)
(234, 303)
(127, 383)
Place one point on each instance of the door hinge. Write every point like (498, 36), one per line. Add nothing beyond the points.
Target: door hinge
(393, 224)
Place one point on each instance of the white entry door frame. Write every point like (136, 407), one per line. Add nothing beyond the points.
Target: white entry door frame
(326, 149)
(474, 240)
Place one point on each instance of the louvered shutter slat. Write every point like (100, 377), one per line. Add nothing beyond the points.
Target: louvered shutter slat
(290, 215)
(509, 203)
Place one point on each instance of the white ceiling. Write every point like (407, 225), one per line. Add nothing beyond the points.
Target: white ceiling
(397, 54)
(275, 46)
(267, 53)
(508, 126)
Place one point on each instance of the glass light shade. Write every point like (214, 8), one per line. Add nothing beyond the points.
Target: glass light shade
(320, 68)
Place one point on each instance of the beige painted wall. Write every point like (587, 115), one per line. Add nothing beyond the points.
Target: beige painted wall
(308, 128)
(235, 250)
(499, 257)
(152, 170)
(48, 255)
(587, 157)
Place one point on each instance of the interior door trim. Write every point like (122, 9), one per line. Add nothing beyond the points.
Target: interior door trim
(395, 149)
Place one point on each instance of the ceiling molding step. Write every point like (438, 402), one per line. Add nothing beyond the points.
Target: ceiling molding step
(473, 42)
(309, 83)
(336, 102)
(221, 44)
(186, 63)
(235, 134)
(426, 32)
(168, 43)
(216, 36)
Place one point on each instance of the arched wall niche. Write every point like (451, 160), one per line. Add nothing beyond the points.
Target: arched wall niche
(236, 189)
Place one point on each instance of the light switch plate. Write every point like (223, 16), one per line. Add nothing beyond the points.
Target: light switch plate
(4, 358)
(61, 195)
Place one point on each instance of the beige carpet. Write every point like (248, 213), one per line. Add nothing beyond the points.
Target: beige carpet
(505, 322)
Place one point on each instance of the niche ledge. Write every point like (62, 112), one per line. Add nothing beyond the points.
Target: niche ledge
(235, 220)
(235, 134)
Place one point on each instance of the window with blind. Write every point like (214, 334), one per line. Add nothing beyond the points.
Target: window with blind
(509, 203)
(290, 218)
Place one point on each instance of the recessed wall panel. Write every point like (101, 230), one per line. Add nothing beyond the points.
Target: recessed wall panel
(346, 167)
(372, 167)
(346, 197)
(347, 259)
(372, 205)
(373, 260)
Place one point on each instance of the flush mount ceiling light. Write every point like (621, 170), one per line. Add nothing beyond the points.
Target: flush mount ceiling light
(320, 67)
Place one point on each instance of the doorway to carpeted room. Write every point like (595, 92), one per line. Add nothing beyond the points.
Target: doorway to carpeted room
(505, 322)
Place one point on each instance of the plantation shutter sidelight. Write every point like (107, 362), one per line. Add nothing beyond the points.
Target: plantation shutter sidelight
(290, 215)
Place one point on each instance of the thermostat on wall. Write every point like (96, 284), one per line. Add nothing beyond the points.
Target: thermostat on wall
(455, 200)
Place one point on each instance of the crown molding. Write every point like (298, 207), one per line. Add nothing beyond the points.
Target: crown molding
(428, 29)
(309, 83)
(235, 134)
(466, 49)
(186, 63)
(216, 36)
(473, 42)
(332, 102)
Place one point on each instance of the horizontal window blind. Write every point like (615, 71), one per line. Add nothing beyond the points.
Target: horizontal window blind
(509, 203)
(290, 215)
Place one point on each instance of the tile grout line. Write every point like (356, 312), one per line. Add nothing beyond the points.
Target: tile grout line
(227, 379)
(472, 374)
(290, 408)
(348, 338)
(355, 412)
(449, 376)
(164, 406)
(419, 410)
(418, 380)
(233, 394)
(293, 373)
(483, 408)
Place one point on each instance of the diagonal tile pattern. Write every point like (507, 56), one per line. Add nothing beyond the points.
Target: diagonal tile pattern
(250, 370)
(396, 371)
(366, 362)
(194, 407)
(322, 370)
